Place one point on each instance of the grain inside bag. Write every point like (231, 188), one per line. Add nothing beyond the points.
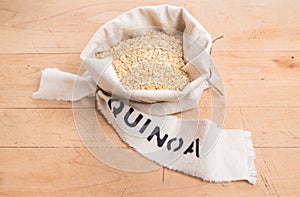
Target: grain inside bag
(149, 61)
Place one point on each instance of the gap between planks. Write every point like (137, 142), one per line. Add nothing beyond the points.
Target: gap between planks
(69, 108)
(86, 147)
(213, 52)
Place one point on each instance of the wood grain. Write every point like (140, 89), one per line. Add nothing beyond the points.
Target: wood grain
(250, 79)
(260, 79)
(65, 27)
(274, 178)
(74, 172)
(273, 126)
(20, 75)
(65, 171)
(270, 127)
(41, 153)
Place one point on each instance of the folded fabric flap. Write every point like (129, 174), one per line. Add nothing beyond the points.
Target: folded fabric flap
(58, 85)
(171, 107)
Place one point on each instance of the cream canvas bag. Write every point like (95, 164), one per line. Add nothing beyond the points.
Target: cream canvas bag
(142, 118)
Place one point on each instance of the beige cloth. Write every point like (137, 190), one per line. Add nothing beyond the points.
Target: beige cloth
(224, 155)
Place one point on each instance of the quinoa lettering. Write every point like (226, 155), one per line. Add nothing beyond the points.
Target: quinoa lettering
(174, 143)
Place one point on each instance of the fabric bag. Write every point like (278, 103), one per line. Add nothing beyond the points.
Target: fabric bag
(220, 155)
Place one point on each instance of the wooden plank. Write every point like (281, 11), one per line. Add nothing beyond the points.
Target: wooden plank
(278, 175)
(53, 128)
(270, 127)
(250, 79)
(64, 27)
(65, 172)
(20, 76)
(75, 172)
(41, 153)
(250, 25)
(39, 127)
(260, 79)
(273, 127)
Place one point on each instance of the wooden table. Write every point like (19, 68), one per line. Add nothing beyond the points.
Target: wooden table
(41, 153)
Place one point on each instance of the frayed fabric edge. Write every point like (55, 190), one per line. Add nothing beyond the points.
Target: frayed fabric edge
(51, 98)
(251, 157)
